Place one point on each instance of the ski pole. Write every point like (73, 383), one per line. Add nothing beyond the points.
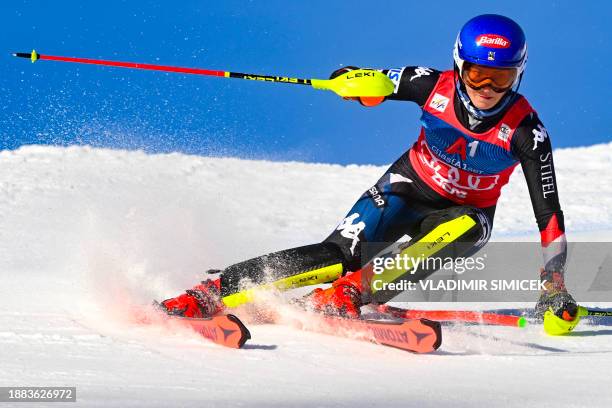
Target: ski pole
(360, 82)
(583, 311)
(456, 315)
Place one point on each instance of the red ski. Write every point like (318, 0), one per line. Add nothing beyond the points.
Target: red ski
(226, 330)
(415, 335)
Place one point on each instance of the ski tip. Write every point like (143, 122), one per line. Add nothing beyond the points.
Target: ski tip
(235, 334)
(245, 333)
(521, 322)
(437, 329)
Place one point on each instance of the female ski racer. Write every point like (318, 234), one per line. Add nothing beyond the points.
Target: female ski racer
(476, 129)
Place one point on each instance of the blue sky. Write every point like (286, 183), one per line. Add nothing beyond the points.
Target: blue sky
(568, 78)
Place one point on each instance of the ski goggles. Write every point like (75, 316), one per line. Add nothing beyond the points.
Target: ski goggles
(478, 76)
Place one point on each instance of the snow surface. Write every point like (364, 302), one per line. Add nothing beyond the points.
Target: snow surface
(86, 234)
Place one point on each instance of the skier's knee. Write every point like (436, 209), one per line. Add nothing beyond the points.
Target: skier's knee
(477, 224)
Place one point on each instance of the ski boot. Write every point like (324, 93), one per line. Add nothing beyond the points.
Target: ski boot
(556, 307)
(342, 299)
(203, 300)
(555, 298)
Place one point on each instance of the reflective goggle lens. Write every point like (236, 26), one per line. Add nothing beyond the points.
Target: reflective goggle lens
(479, 76)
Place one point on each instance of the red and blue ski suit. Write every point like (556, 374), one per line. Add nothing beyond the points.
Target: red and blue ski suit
(457, 165)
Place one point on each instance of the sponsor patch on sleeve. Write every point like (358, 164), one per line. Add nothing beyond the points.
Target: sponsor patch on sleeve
(395, 75)
(539, 136)
(421, 71)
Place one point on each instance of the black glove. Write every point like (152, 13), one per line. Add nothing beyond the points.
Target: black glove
(562, 304)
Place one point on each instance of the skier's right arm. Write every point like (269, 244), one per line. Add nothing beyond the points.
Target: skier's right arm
(412, 84)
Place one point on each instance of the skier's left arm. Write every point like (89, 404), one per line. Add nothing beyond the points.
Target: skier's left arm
(532, 146)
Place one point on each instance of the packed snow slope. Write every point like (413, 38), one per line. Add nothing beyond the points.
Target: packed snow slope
(86, 234)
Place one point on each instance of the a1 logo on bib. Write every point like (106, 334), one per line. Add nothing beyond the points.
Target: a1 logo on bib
(439, 102)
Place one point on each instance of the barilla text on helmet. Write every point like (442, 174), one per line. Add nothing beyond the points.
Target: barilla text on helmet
(493, 41)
